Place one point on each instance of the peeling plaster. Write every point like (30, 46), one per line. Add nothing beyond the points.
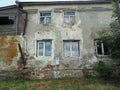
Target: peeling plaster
(8, 49)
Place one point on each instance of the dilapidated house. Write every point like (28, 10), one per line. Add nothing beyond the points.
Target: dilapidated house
(57, 38)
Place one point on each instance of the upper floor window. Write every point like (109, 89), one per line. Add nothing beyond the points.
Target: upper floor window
(102, 48)
(44, 48)
(69, 17)
(45, 17)
(7, 20)
(71, 48)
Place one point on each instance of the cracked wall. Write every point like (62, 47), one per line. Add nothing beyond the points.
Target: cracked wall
(89, 20)
(9, 52)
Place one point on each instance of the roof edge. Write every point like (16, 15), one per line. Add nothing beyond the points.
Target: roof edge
(63, 2)
(8, 7)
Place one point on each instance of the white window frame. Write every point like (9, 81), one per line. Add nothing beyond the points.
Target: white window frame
(102, 48)
(45, 18)
(70, 42)
(44, 43)
(69, 16)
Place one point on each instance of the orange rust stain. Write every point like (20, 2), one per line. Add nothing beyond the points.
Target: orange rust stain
(2, 40)
(8, 53)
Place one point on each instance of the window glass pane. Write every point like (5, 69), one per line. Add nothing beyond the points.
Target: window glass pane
(46, 14)
(48, 19)
(11, 17)
(47, 48)
(40, 49)
(74, 49)
(99, 48)
(66, 19)
(106, 51)
(42, 20)
(72, 19)
(67, 48)
(69, 13)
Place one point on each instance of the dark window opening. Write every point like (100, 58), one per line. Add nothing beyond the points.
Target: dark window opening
(99, 48)
(102, 48)
(106, 50)
(7, 20)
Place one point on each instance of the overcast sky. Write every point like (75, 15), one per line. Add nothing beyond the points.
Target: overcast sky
(12, 2)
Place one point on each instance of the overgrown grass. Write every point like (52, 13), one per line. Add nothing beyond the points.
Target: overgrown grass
(61, 84)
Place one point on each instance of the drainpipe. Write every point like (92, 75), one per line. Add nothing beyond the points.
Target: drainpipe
(25, 25)
(117, 9)
(26, 15)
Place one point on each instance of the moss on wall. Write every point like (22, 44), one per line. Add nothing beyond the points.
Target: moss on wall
(8, 49)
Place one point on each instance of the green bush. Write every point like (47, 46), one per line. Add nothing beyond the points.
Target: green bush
(104, 70)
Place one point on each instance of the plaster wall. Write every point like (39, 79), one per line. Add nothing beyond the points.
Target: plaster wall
(90, 19)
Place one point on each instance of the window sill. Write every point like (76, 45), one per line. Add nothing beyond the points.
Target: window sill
(103, 56)
(44, 58)
(47, 24)
(72, 58)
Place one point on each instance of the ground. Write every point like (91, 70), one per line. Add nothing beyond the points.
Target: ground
(62, 84)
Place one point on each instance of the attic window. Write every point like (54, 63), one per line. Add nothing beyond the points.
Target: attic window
(7, 20)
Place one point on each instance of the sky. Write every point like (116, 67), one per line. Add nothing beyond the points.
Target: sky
(12, 2)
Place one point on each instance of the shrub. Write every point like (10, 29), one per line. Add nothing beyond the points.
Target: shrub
(104, 70)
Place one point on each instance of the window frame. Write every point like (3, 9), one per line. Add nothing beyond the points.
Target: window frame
(10, 17)
(71, 42)
(69, 16)
(44, 48)
(102, 46)
(45, 17)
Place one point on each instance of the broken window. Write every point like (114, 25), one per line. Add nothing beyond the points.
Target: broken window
(7, 20)
(45, 17)
(101, 48)
(69, 17)
(44, 47)
(71, 48)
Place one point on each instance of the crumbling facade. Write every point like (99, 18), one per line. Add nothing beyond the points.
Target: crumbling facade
(61, 36)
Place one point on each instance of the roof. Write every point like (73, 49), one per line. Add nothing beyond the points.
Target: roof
(8, 7)
(64, 2)
(11, 7)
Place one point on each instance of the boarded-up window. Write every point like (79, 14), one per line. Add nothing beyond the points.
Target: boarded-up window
(69, 17)
(7, 20)
(71, 48)
(44, 47)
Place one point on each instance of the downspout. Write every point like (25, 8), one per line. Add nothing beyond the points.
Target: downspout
(25, 20)
(26, 17)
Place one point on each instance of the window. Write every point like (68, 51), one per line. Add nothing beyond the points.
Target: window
(71, 48)
(101, 48)
(45, 17)
(69, 17)
(7, 20)
(44, 48)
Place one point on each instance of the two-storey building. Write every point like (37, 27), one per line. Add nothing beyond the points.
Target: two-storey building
(64, 34)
